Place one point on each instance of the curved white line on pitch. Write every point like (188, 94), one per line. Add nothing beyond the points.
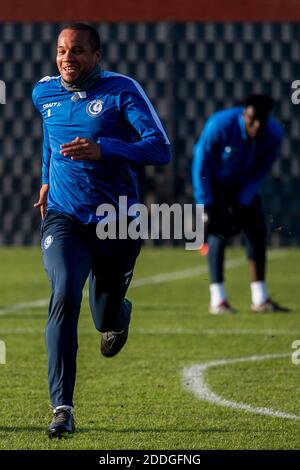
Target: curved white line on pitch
(194, 380)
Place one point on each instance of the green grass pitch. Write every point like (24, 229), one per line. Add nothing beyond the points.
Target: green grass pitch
(137, 399)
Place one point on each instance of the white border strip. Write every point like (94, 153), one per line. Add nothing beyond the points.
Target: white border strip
(194, 380)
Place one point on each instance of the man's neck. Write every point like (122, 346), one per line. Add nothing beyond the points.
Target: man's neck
(84, 83)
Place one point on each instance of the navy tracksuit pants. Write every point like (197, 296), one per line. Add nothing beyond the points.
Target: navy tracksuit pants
(230, 219)
(71, 253)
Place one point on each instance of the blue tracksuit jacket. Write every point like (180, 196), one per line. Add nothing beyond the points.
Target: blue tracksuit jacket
(115, 113)
(224, 157)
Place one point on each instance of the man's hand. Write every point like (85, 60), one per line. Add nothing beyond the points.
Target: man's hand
(42, 202)
(81, 149)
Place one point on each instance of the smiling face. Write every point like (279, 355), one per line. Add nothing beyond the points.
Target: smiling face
(75, 55)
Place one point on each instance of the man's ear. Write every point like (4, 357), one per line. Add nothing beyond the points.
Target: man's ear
(99, 56)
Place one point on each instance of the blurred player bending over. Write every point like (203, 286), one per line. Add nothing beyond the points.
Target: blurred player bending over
(231, 158)
(98, 126)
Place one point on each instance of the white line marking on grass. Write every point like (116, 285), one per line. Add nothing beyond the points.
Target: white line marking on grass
(171, 331)
(156, 279)
(183, 274)
(214, 331)
(25, 306)
(19, 331)
(194, 380)
(191, 272)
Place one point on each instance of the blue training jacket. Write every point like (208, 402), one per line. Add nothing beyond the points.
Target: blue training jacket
(225, 157)
(117, 114)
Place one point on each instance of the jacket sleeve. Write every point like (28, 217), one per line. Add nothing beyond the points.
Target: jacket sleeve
(152, 146)
(46, 156)
(204, 163)
(253, 185)
(46, 144)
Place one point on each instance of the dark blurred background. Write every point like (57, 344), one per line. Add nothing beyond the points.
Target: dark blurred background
(191, 63)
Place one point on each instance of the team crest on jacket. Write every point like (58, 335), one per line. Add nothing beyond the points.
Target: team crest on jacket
(48, 242)
(94, 108)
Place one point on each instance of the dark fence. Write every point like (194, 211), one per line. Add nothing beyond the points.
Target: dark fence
(189, 70)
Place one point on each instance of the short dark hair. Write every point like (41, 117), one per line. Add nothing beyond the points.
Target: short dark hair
(261, 103)
(94, 35)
